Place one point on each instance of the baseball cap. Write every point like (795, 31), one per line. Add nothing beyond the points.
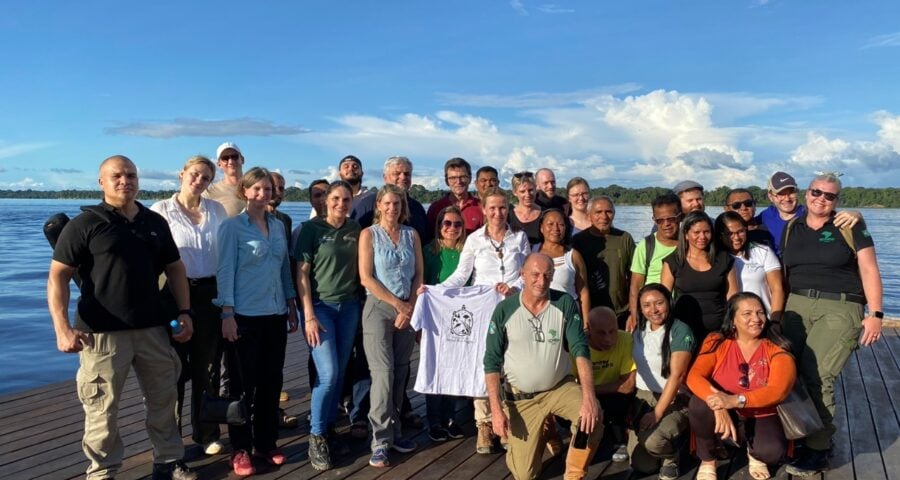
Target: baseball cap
(780, 181)
(226, 146)
(686, 185)
(350, 158)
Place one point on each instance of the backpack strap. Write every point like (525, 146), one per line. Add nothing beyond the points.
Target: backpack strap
(846, 233)
(649, 246)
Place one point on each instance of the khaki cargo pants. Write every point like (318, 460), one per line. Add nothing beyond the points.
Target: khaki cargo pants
(823, 334)
(100, 378)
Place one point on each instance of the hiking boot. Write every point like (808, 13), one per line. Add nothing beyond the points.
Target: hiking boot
(484, 442)
(810, 463)
(319, 456)
(176, 470)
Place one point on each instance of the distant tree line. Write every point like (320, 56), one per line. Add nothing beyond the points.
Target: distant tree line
(856, 197)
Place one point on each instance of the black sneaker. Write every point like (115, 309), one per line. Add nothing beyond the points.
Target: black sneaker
(335, 445)
(437, 433)
(810, 463)
(454, 432)
(319, 457)
(176, 470)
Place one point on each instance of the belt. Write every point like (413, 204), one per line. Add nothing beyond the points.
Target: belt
(201, 281)
(516, 395)
(843, 297)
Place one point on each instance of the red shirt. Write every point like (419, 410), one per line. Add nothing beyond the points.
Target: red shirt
(473, 217)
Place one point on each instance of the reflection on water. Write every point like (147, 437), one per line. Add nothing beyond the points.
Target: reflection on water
(30, 357)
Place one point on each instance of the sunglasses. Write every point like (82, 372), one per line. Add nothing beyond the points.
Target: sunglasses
(448, 224)
(660, 221)
(815, 192)
(744, 381)
(746, 203)
(226, 158)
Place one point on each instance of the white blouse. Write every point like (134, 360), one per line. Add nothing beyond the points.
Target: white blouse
(196, 243)
(481, 260)
(563, 273)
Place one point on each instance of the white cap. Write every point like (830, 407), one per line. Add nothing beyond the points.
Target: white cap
(226, 146)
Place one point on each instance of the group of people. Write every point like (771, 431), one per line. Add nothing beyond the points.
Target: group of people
(700, 329)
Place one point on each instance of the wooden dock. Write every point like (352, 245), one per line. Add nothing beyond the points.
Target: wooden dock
(40, 434)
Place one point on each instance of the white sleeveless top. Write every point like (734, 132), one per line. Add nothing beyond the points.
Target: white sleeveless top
(563, 273)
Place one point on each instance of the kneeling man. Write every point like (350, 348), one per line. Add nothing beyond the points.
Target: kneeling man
(531, 339)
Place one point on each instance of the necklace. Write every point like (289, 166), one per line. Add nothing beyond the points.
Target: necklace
(499, 250)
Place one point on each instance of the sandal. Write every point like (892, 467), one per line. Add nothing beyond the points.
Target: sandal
(758, 469)
(707, 472)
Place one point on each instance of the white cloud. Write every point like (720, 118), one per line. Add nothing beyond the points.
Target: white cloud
(16, 149)
(25, 183)
(886, 40)
(534, 99)
(554, 8)
(518, 7)
(192, 127)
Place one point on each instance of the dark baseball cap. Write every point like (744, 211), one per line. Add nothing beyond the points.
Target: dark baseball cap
(780, 181)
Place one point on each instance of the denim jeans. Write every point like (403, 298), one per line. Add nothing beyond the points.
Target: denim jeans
(339, 321)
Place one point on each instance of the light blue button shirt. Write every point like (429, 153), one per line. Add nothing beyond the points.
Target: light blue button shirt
(254, 273)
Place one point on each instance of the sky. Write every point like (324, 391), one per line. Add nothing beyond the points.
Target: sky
(634, 93)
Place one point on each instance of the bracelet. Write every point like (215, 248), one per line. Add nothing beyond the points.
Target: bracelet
(225, 315)
(187, 312)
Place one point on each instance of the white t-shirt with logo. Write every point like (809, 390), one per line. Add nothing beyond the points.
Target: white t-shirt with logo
(752, 272)
(454, 323)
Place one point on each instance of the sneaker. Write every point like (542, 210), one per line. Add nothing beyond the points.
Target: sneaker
(176, 470)
(484, 442)
(319, 456)
(359, 430)
(438, 433)
(404, 446)
(213, 448)
(241, 464)
(379, 458)
(669, 471)
(335, 445)
(274, 457)
(620, 454)
(286, 420)
(411, 421)
(284, 396)
(810, 463)
(454, 432)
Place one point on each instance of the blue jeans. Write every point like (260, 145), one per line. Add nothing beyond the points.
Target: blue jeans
(340, 321)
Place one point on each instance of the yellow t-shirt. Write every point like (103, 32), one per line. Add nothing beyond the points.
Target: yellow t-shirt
(611, 364)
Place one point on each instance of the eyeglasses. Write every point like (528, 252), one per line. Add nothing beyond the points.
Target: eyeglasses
(747, 203)
(461, 178)
(815, 192)
(744, 381)
(660, 221)
(448, 224)
(521, 175)
(225, 158)
(727, 233)
(580, 195)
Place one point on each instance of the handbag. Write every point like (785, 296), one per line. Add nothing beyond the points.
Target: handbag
(230, 410)
(798, 415)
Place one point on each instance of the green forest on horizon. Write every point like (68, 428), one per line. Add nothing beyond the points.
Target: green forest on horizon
(855, 197)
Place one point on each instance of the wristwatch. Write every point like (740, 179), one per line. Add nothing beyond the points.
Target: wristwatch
(742, 400)
(878, 314)
(187, 312)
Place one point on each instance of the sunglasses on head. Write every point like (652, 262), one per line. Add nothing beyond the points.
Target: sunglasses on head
(815, 192)
(454, 224)
(747, 203)
(521, 175)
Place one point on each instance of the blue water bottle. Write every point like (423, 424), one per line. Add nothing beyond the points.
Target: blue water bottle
(176, 327)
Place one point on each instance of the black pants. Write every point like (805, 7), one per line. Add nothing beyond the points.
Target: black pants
(256, 371)
(764, 435)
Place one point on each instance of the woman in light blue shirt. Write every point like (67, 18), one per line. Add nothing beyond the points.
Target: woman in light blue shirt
(256, 294)
(390, 268)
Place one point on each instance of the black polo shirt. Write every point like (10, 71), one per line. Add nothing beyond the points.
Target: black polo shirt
(119, 262)
(822, 259)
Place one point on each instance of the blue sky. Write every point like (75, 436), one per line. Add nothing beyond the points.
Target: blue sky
(633, 93)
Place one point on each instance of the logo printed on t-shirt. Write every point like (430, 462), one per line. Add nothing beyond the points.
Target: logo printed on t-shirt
(461, 322)
(826, 237)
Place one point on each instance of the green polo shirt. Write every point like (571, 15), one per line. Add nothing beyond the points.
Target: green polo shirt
(332, 255)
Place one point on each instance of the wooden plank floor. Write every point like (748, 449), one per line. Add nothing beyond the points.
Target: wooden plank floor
(40, 434)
